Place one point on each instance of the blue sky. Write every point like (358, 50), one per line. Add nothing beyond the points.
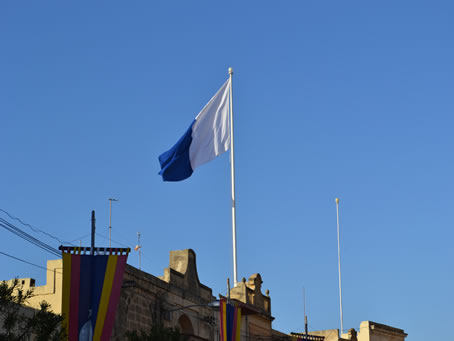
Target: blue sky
(331, 99)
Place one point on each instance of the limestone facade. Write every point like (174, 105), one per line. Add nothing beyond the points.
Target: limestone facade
(51, 292)
(177, 299)
(256, 308)
(373, 331)
(368, 331)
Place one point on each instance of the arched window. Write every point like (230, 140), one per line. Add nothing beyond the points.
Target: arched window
(185, 325)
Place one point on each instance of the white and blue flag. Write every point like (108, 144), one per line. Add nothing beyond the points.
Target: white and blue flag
(207, 137)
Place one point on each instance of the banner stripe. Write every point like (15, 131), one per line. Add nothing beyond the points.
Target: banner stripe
(238, 325)
(85, 292)
(74, 299)
(105, 297)
(235, 311)
(98, 275)
(115, 297)
(66, 289)
(230, 311)
(221, 319)
(224, 320)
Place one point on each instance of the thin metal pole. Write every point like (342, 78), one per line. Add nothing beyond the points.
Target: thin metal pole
(110, 221)
(339, 261)
(93, 231)
(228, 290)
(232, 172)
(305, 317)
(140, 250)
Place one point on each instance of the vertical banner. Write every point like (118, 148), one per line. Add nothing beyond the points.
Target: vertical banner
(230, 321)
(91, 291)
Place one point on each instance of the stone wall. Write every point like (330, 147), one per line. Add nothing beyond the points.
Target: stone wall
(255, 306)
(51, 292)
(373, 331)
(368, 331)
(177, 300)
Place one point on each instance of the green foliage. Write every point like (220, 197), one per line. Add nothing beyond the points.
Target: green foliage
(18, 322)
(156, 333)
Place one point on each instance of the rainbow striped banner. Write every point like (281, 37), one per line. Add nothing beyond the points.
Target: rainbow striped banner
(230, 318)
(91, 291)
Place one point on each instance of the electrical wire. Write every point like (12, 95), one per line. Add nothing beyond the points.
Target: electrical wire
(80, 238)
(27, 262)
(24, 235)
(121, 244)
(34, 229)
(122, 237)
(107, 238)
(144, 256)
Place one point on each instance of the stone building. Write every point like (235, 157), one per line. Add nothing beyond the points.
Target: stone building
(372, 331)
(178, 300)
(368, 331)
(51, 292)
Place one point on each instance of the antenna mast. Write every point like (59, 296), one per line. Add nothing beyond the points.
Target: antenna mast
(110, 221)
(139, 248)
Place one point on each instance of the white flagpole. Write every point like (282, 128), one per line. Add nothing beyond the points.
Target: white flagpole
(232, 173)
(338, 256)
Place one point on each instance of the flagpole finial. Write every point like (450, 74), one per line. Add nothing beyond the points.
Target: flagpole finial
(337, 200)
(230, 71)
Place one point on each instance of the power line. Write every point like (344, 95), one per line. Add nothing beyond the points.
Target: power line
(24, 235)
(131, 243)
(122, 237)
(34, 229)
(27, 262)
(121, 244)
(80, 238)
(100, 235)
